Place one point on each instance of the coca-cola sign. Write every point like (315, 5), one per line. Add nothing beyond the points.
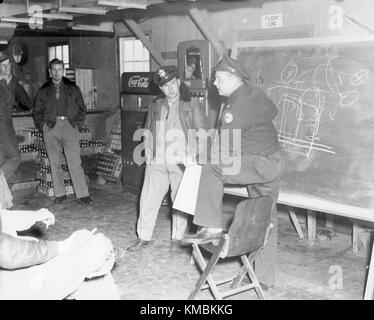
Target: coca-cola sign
(139, 83)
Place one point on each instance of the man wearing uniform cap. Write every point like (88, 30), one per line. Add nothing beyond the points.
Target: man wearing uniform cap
(249, 109)
(175, 112)
(10, 90)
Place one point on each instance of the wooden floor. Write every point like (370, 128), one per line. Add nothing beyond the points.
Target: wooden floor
(306, 271)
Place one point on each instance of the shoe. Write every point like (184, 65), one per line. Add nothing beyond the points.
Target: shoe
(184, 242)
(138, 245)
(118, 253)
(266, 287)
(59, 200)
(202, 237)
(176, 243)
(86, 200)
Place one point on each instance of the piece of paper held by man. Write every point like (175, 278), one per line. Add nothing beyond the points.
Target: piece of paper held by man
(186, 197)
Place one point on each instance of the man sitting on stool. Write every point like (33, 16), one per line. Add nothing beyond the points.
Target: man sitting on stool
(251, 112)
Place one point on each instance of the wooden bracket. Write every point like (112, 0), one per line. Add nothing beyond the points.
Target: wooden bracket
(138, 32)
(206, 31)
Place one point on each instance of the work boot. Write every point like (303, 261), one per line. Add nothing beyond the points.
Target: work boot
(176, 243)
(203, 236)
(138, 245)
(85, 200)
(59, 200)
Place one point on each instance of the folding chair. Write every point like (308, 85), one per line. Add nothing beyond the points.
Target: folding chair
(246, 237)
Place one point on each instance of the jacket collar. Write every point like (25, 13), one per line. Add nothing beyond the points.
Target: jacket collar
(242, 90)
(64, 81)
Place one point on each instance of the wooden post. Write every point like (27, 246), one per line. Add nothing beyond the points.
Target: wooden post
(312, 225)
(355, 237)
(369, 289)
(206, 31)
(295, 221)
(329, 223)
(134, 27)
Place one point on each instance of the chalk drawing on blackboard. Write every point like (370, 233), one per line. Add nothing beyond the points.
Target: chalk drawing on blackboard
(302, 98)
(324, 91)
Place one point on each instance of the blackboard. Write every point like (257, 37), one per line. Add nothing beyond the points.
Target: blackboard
(324, 91)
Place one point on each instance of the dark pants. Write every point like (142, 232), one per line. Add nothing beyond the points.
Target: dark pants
(10, 157)
(64, 137)
(261, 174)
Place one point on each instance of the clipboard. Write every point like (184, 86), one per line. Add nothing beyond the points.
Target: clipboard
(186, 197)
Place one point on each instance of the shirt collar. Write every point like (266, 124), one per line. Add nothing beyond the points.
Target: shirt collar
(235, 94)
(58, 85)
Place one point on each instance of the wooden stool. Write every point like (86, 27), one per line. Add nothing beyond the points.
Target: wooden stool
(245, 239)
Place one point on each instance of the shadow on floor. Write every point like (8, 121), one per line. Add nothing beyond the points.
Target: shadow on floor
(322, 270)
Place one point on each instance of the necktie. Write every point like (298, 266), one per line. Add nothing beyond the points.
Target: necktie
(58, 91)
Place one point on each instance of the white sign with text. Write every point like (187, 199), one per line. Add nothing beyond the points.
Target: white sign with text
(272, 21)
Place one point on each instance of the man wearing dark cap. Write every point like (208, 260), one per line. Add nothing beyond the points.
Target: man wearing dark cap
(249, 110)
(173, 113)
(10, 89)
(59, 112)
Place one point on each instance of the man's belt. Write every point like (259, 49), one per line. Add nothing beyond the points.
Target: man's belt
(61, 118)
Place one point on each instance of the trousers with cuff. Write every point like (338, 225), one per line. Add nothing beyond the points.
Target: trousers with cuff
(10, 157)
(64, 137)
(157, 179)
(261, 175)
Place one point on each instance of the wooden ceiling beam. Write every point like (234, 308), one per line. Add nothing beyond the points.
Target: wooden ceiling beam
(138, 32)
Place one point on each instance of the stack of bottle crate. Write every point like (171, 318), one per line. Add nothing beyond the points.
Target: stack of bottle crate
(88, 146)
(109, 165)
(27, 146)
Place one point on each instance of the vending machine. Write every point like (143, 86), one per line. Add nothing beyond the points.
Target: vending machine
(137, 93)
(196, 60)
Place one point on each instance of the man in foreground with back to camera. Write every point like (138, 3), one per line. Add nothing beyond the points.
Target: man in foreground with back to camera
(78, 267)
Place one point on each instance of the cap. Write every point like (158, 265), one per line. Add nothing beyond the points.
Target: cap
(225, 63)
(164, 75)
(4, 56)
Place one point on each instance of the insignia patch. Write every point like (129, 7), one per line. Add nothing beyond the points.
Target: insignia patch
(162, 73)
(228, 117)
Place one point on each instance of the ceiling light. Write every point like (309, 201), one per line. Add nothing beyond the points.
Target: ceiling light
(8, 25)
(83, 10)
(122, 4)
(53, 16)
(86, 27)
(16, 20)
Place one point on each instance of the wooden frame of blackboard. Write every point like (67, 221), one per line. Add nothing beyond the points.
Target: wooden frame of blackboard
(295, 200)
(299, 42)
(301, 201)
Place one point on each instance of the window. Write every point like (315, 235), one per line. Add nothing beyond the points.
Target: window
(61, 52)
(134, 57)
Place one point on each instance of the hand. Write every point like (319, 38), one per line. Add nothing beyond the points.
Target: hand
(79, 128)
(189, 161)
(20, 220)
(48, 126)
(45, 216)
(77, 238)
